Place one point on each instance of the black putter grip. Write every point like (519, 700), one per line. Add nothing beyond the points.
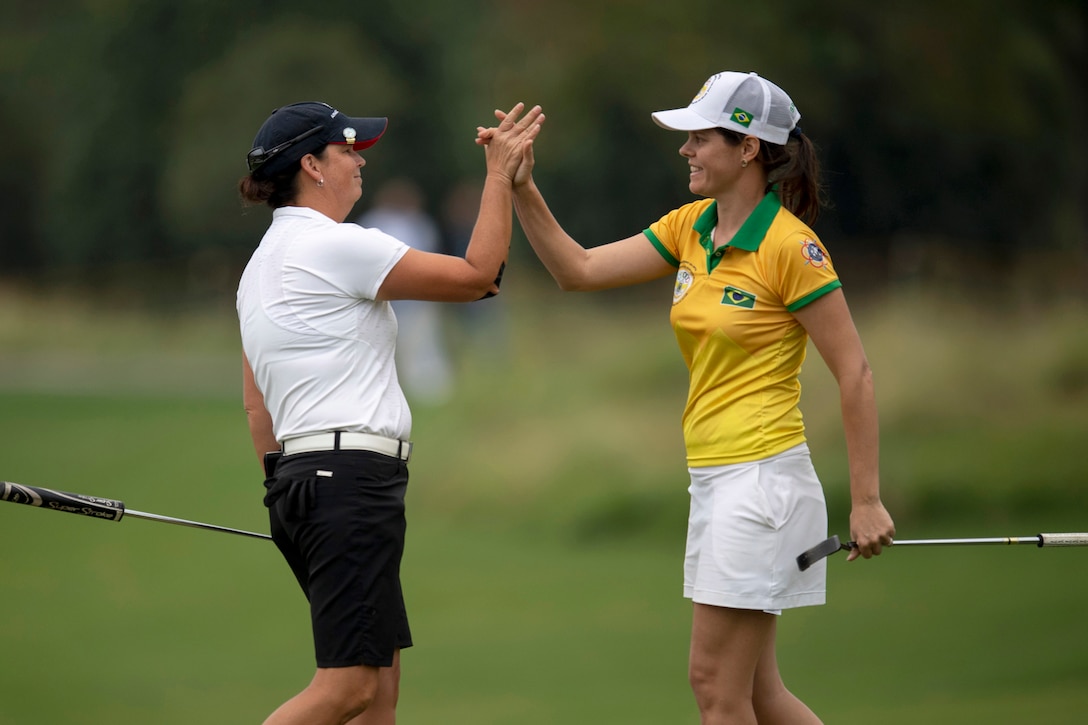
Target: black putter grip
(73, 503)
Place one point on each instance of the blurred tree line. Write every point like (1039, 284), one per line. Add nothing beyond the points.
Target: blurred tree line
(944, 127)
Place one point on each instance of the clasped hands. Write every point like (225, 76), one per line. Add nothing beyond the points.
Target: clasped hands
(509, 145)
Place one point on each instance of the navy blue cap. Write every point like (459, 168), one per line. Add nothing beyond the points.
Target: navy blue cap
(293, 131)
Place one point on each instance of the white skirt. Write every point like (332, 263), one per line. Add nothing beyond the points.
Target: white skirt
(747, 525)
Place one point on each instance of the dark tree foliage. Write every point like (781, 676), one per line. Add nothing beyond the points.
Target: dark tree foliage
(959, 125)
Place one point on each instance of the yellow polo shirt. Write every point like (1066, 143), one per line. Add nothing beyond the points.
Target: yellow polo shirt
(731, 314)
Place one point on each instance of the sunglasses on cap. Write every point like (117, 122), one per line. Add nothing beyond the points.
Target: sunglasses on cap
(258, 157)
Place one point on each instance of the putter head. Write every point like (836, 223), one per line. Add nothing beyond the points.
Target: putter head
(821, 551)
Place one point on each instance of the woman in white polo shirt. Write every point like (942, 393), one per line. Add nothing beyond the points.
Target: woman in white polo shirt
(753, 284)
(321, 391)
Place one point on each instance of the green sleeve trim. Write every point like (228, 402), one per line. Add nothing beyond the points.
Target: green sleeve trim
(813, 296)
(661, 248)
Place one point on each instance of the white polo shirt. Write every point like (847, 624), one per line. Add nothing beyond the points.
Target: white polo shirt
(320, 346)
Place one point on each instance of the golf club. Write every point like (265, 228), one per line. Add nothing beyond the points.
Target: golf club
(829, 546)
(97, 508)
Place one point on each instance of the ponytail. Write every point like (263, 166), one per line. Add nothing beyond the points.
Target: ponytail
(795, 170)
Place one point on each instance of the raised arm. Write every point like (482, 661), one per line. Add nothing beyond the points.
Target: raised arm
(445, 278)
(575, 268)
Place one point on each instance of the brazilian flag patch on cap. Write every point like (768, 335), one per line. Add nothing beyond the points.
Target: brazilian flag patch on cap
(738, 298)
(742, 117)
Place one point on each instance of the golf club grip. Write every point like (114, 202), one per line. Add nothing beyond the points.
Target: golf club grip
(1063, 539)
(73, 503)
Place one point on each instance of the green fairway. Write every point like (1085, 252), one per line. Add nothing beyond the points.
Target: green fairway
(543, 567)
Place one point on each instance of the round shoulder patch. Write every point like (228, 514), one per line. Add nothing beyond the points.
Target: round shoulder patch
(683, 284)
(813, 253)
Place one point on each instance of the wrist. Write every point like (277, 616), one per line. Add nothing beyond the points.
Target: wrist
(500, 177)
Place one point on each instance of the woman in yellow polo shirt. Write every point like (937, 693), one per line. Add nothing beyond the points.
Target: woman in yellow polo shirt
(753, 284)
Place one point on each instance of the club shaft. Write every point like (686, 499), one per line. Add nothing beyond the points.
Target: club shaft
(193, 524)
(1040, 540)
(833, 544)
(953, 542)
(95, 507)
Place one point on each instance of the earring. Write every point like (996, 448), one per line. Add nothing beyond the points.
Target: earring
(744, 163)
(320, 182)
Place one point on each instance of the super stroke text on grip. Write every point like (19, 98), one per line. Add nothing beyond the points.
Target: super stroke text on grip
(86, 511)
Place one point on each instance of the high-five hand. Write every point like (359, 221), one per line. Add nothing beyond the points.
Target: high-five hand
(484, 137)
(507, 144)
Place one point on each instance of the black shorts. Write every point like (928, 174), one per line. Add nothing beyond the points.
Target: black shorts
(338, 519)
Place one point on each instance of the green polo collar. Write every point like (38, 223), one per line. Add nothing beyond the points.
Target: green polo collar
(751, 233)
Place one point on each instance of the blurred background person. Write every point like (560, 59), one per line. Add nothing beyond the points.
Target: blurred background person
(422, 356)
(481, 325)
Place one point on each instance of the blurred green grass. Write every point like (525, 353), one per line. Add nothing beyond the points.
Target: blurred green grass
(546, 517)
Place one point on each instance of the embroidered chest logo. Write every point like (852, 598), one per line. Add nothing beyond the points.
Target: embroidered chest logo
(734, 297)
(813, 254)
(684, 279)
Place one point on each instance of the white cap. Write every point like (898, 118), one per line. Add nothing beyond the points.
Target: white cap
(741, 102)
